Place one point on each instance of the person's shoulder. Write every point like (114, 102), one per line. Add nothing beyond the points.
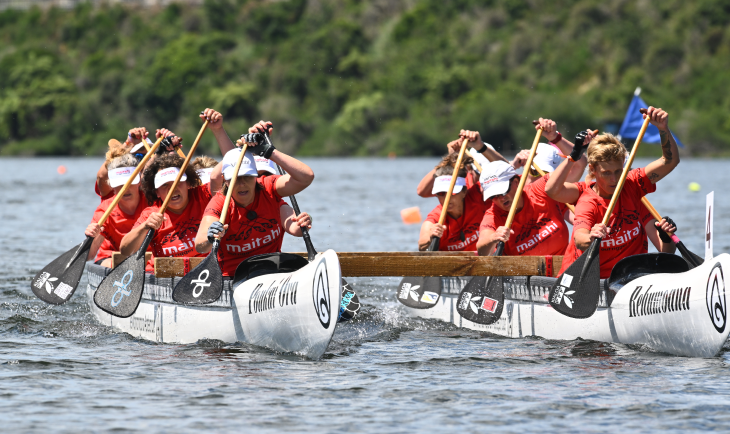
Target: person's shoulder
(435, 214)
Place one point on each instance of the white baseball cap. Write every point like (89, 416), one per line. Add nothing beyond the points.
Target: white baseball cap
(168, 175)
(248, 165)
(495, 178)
(204, 175)
(120, 175)
(547, 157)
(265, 164)
(442, 183)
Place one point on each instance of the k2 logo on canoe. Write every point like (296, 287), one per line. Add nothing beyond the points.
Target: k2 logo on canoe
(477, 303)
(716, 301)
(321, 295)
(201, 283)
(122, 290)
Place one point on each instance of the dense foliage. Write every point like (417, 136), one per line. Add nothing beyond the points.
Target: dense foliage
(357, 77)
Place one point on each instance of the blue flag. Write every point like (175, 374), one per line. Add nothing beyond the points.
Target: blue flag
(632, 124)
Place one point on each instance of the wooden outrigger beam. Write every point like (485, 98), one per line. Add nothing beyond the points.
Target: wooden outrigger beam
(360, 264)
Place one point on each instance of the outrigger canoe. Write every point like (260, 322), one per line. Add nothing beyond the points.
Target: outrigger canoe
(287, 312)
(682, 312)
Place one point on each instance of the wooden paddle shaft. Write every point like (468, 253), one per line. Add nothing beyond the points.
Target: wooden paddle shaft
(523, 180)
(445, 206)
(625, 172)
(126, 185)
(653, 211)
(232, 184)
(182, 169)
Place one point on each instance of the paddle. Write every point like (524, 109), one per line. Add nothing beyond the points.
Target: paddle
(57, 281)
(577, 291)
(204, 283)
(121, 290)
(482, 299)
(424, 292)
(690, 257)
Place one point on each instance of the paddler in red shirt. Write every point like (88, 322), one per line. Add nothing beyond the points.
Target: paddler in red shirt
(257, 215)
(626, 232)
(107, 238)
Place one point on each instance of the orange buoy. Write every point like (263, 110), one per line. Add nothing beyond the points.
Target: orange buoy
(61, 169)
(411, 216)
(391, 155)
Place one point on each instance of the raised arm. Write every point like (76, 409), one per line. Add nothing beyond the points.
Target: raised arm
(560, 186)
(215, 124)
(476, 142)
(550, 132)
(656, 170)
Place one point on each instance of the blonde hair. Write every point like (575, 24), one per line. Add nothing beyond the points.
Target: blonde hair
(603, 148)
(447, 163)
(116, 149)
(204, 162)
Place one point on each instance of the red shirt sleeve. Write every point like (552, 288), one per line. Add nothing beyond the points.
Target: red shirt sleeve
(100, 210)
(638, 178)
(143, 217)
(586, 213)
(215, 206)
(493, 219)
(434, 215)
(269, 184)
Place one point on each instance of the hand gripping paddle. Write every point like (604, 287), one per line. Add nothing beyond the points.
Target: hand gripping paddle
(577, 291)
(57, 281)
(121, 290)
(482, 299)
(692, 259)
(204, 283)
(424, 292)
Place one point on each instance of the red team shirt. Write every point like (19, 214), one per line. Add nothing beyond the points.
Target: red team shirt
(116, 226)
(462, 234)
(246, 238)
(628, 236)
(176, 236)
(539, 228)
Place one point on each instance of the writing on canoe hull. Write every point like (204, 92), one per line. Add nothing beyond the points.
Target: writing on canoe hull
(282, 292)
(146, 325)
(647, 302)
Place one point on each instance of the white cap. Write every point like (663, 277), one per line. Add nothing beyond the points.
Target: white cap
(120, 175)
(442, 183)
(547, 158)
(495, 178)
(204, 175)
(479, 158)
(265, 164)
(139, 145)
(168, 175)
(248, 166)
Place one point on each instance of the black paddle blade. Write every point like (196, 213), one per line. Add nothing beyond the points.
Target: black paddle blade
(203, 284)
(419, 292)
(350, 305)
(577, 291)
(692, 259)
(121, 290)
(57, 281)
(482, 299)
(434, 246)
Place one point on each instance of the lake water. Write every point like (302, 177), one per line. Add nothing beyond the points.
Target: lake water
(61, 371)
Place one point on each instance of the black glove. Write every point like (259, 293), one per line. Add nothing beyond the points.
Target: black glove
(578, 146)
(168, 144)
(214, 229)
(663, 235)
(262, 147)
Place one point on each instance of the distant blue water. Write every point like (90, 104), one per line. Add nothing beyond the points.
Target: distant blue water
(60, 371)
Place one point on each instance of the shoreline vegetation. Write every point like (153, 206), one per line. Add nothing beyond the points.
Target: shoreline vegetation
(360, 78)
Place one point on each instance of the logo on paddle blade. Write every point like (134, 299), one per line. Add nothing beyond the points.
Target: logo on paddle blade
(321, 295)
(45, 279)
(464, 300)
(63, 290)
(560, 292)
(489, 304)
(429, 297)
(408, 289)
(478, 302)
(716, 301)
(122, 288)
(201, 283)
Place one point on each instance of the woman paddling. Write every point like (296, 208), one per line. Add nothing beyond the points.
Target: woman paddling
(257, 216)
(626, 233)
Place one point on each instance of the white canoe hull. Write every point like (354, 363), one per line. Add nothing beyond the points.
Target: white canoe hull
(276, 311)
(683, 314)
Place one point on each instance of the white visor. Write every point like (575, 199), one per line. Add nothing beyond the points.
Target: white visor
(248, 166)
(495, 178)
(266, 165)
(442, 183)
(204, 175)
(120, 175)
(168, 175)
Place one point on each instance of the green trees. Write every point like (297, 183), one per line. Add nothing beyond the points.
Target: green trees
(355, 77)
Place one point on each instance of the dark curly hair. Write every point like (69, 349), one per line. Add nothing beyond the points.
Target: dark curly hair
(447, 163)
(160, 163)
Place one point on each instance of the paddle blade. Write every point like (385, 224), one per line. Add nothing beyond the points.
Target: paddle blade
(121, 290)
(577, 291)
(203, 284)
(57, 281)
(419, 292)
(482, 299)
(434, 246)
(350, 304)
(692, 259)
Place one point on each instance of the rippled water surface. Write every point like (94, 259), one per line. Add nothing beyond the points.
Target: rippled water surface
(61, 371)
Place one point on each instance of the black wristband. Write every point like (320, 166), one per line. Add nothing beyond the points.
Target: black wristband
(484, 147)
